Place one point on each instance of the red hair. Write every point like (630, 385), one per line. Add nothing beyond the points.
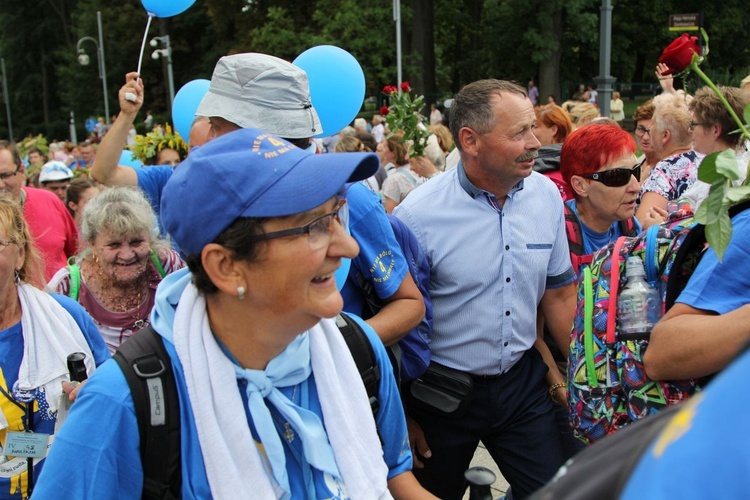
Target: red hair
(554, 115)
(590, 147)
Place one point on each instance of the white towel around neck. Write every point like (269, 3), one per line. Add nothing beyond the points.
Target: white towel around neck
(50, 334)
(234, 465)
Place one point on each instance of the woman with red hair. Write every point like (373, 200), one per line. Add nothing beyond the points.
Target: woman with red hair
(599, 164)
(552, 127)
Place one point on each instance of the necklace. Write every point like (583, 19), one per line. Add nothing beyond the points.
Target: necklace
(288, 431)
(138, 321)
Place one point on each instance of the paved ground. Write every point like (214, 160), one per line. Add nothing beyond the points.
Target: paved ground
(481, 457)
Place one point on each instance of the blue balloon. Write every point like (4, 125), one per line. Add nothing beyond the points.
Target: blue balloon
(126, 158)
(337, 85)
(186, 104)
(166, 8)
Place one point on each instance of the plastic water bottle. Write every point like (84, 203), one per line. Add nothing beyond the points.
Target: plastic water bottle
(639, 305)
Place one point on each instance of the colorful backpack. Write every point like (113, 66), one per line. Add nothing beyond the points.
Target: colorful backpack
(607, 384)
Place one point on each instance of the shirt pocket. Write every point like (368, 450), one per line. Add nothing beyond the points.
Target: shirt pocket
(539, 246)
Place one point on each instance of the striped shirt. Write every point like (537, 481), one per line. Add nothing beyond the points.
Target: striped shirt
(490, 265)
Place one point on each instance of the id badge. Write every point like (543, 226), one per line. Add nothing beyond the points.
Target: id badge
(26, 444)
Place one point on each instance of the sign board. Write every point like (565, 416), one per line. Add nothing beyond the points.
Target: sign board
(684, 22)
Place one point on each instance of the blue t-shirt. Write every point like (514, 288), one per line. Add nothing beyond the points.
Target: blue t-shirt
(723, 286)
(11, 353)
(703, 451)
(380, 259)
(593, 241)
(152, 181)
(101, 435)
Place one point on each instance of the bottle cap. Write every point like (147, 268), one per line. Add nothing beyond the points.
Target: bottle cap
(635, 267)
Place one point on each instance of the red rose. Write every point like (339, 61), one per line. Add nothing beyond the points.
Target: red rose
(389, 89)
(405, 87)
(679, 53)
(384, 110)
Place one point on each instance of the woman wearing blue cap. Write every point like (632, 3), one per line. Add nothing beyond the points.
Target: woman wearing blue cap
(247, 334)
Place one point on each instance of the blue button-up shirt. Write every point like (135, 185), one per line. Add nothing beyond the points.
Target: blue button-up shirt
(490, 265)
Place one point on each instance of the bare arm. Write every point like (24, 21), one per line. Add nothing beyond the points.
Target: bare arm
(692, 343)
(554, 378)
(106, 168)
(405, 485)
(645, 215)
(559, 308)
(402, 311)
(389, 205)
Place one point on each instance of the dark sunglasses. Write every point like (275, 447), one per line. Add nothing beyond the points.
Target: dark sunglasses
(615, 177)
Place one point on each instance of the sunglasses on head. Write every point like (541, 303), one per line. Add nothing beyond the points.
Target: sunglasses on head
(615, 177)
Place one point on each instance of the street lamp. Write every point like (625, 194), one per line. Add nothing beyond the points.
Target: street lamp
(166, 52)
(83, 60)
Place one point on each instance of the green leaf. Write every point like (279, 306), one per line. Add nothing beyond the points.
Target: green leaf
(738, 193)
(707, 171)
(726, 165)
(713, 206)
(746, 113)
(719, 233)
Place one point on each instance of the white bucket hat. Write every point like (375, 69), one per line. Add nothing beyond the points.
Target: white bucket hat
(264, 92)
(55, 171)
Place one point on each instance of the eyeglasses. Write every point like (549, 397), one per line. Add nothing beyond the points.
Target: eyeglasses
(640, 131)
(695, 124)
(5, 244)
(318, 231)
(615, 177)
(7, 175)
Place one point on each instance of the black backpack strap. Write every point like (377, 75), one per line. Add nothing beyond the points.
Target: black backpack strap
(148, 370)
(364, 357)
(628, 227)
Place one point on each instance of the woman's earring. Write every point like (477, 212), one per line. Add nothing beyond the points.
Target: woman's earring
(241, 292)
(18, 277)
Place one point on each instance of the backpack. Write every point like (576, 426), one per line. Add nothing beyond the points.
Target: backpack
(607, 384)
(410, 356)
(147, 367)
(74, 270)
(574, 233)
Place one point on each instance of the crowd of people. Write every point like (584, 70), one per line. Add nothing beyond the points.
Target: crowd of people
(228, 252)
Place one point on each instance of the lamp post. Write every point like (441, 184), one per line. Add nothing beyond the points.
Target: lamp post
(397, 20)
(6, 98)
(166, 52)
(83, 60)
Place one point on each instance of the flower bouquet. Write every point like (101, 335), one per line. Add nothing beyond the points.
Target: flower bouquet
(402, 117)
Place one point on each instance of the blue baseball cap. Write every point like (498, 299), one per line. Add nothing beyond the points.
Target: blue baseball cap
(248, 173)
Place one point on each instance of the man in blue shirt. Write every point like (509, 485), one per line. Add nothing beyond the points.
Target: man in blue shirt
(494, 235)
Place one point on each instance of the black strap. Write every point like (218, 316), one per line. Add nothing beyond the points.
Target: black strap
(364, 357)
(147, 368)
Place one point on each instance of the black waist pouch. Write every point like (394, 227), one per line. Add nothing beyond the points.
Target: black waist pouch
(442, 391)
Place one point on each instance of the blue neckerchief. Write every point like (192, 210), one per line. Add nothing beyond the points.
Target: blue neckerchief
(289, 368)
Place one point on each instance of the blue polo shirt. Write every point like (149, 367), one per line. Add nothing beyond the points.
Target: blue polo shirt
(489, 265)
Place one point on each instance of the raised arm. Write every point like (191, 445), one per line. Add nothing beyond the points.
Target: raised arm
(106, 168)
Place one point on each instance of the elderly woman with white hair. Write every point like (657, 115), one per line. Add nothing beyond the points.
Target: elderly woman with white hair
(678, 170)
(115, 277)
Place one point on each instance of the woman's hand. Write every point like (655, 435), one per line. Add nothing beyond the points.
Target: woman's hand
(654, 217)
(422, 166)
(666, 81)
(72, 389)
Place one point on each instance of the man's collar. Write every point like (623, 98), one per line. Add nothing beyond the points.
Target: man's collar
(474, 191)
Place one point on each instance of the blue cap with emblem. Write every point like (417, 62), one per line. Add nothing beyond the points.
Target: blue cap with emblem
(248, 173)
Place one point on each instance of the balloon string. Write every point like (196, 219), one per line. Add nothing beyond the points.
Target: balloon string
(143, 44)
